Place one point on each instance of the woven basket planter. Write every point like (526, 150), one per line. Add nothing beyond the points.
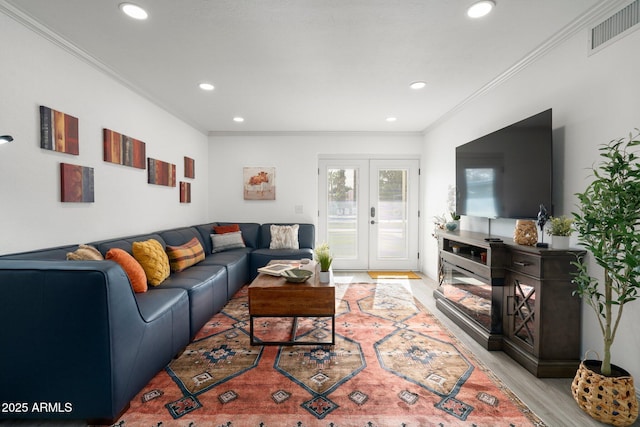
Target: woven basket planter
(611, 400)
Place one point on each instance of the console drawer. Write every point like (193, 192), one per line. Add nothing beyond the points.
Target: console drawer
(525, 263)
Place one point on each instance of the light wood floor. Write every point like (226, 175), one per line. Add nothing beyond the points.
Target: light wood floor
(549, 398)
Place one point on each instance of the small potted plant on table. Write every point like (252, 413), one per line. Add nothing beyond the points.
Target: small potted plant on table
(324, 258)
(560, 231)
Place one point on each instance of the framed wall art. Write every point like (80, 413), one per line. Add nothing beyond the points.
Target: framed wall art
(123, 150)
(189, 167)
(161, 173)
(185, 192)
(76, 183)
(259, 183)
(58, 131)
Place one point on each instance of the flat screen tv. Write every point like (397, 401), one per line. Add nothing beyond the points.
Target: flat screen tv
(507, 173)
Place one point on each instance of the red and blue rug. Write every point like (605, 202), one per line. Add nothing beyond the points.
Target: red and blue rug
(393, 364)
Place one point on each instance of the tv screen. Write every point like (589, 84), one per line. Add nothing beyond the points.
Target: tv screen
(507, 173)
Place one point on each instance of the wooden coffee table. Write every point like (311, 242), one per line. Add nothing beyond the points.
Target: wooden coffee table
(273, 296)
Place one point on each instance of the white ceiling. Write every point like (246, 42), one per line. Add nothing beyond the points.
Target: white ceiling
(306, 65)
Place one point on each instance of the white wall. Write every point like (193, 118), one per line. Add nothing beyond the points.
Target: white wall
(295, 157)
(595, 99)
(36, 72)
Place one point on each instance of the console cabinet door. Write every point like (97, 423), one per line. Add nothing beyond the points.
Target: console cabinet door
(522, 311)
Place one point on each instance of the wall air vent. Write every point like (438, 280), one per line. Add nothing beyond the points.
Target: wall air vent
(615, 27)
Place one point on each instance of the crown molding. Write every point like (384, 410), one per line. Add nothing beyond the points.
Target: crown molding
(597, 12)
(59, 41)
(315, 133)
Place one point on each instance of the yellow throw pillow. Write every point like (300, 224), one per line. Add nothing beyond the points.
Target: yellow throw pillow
(153, 259)
(183, 256)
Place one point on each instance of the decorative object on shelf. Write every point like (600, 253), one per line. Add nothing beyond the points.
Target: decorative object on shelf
(189, 167)
(560, 231)
(454, 223)
(525, 233)
(5, 138)
(609, 211)
(543, 217)
(76, 183)
(439, 222)
(161, 173)
(58, 131)
(259, 183)
(185, 192)
(123, 150)
(324, 258)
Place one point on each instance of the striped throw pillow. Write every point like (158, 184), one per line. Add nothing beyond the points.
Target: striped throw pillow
(183, 256)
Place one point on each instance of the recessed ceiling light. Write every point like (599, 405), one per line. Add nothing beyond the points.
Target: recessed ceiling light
(134, 11)
(238, 119)
(480, 9)
(417, 85)
(391, 119)
(206, 86)
(5, 138)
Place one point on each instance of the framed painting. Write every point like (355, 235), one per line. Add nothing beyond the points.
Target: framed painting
(259, 183)
(58, 131)
(123, 150)
(189, 167)
(161, 173)
(185, 192)
(76, 183)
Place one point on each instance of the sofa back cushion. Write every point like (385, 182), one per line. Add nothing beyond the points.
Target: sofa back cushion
(180, 236)
(125, 243)
(306, 235)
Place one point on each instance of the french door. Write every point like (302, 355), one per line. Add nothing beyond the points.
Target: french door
(368, 213)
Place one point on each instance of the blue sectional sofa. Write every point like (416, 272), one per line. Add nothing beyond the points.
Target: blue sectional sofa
(76, 337)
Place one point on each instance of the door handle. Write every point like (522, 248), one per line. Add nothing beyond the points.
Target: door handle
(373, 222)
(373, 212)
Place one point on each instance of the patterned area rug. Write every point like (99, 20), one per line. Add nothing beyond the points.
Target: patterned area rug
(393, 364)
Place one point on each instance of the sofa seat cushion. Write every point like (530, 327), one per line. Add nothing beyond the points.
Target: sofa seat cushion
(236, 261)
(206, 286)
(153, 305)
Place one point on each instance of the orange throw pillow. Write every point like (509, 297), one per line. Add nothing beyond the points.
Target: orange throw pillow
(134, 270)
(222, 229)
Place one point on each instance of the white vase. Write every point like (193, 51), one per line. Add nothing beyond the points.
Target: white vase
(560, 242)
(325, 276)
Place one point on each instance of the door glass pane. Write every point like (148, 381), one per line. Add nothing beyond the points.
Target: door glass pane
(342, 209)
(392, 214)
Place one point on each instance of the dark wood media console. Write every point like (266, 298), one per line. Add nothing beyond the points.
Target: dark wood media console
(514, 298)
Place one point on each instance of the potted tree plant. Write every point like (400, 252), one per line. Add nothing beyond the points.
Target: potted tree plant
(560, 229)
(607, 225)
(324, 258)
